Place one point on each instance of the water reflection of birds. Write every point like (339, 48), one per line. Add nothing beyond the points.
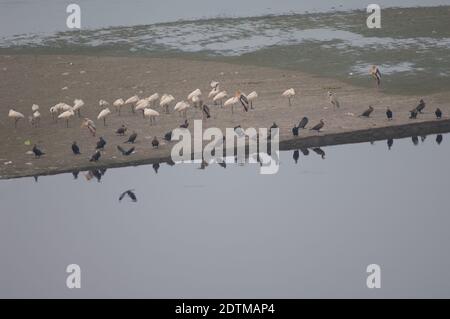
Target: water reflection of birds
(156, 167)
(439, 139)
(222, 164)
(319, 151)
(296, 156)
(130, 193)
(204, 164)
(75, 174)
(319, 126)
(423, 138)
(415, 140)
(304, 150)
(390, 142)
(36, 177)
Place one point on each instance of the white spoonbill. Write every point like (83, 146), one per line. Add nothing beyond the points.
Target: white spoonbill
(214, 84)
(252, 96)
(35, 119)
(213, 93)
(333, 99)
(132, 101)
(103, 115)
(290, 93)
(64, 107)
(142, 105)
(181, 106)
(118, 104)
(231, 101)
(53, 111)
(196, 93)
(153, 98)
(151, 114)
(77, 105)
(166, 99)
(103, 103)
(90, 125)
(66, 115)
(220, 96)
(34, 108)
(16, 116)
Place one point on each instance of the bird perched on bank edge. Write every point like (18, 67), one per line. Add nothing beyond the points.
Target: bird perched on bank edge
(413, 114)
(318, 126)
(75, 149)
(37, 152)
(96, 156)
(389, 114)
(438, 113)
(155, 142)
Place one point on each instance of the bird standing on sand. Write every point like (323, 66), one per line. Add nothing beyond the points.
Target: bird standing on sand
(251, 97)
(77, 105)
(103, 103)
(413, 114)
(155, 142)
(421, 106)
(37, 152)
(75, 149)
(35, 119)
(153, 98)
(66, 115)
(438, 113)
(118, 104)
(290, 93)
(165, 101)
(96, 156)
(220, 96)
(295, 131)
(376, 74)
(132, 138)
(333, 99)
(389, 114)
(168, 136)
(318, 126)
(125, 152)
(121, 130)
(141, 105)
(16, 116)
(231, 102)
(132, 101)
(101, 144)
(151, 115)
(367, 112)
(103, 115)
(130, 193)
(90, 126)
(214, 84)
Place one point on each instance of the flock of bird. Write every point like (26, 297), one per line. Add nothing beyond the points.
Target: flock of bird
(147, 106)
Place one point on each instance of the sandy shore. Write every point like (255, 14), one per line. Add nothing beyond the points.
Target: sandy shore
(47, 80)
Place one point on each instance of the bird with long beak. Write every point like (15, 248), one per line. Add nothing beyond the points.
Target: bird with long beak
(89, 124)
(243, 99)
(16, 116)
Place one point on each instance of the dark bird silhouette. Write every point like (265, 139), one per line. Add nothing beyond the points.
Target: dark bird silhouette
(130, 193)
(296, 156)
(222, 164)
(318, 127)
(295, 131)
(438, 113)
(156, 167)
(185, 124)
(95, 157)
(439, 139)
(100, 144)
(389, 114)
(423, 138)
(413, 114)
(132, 138)
(36, 178)
(168, 136)
(303, 122)
(37, 152)
(274, 125)
(125, 152)
(121, 130)
(421, 106)
(390, 142)
(155, 142)
(97, 174)
(304, 150)
(319, 151)
(75, 149)
(244, 102)
(415, 140)
(75, 174)
(206, 111)
(367, 112)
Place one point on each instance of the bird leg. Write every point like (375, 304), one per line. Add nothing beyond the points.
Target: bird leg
(15, 122)
(289, 101)
(143, 115)
(251, 105)
(104, 121)
(67, 123)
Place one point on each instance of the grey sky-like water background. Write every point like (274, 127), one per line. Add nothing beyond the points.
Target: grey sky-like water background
(308, 231)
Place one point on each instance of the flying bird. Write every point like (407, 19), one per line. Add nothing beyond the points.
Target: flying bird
(367, 112)
(132, 138)
(318, 126)
(37, 152)
(75, 149)
(130, 193)
(125, 152)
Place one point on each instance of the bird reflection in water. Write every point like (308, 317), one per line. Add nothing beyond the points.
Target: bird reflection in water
(36, 177)
(439, 139)
(304, 150)
(156, 167)
(415, 140)
(130, 193)
(423, 138)
(319, 151)
(97, 173)
(390, 142)
(296, 156)
(75, 174)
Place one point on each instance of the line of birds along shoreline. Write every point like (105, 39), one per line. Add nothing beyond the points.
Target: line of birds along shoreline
(219, 98)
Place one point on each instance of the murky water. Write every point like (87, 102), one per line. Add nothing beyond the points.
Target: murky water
(308, 231)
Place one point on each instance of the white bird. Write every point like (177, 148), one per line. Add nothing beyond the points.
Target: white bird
(252, 96)
(90, 125)
(103, 115)
(153, 98)
(64, 107)
(103, 103)
(16, 116)
(290, 93)
(196, 101)
(333, 99)
(213, 93)
(77, 105)
(66, 115)
(34, 107)
(220, 96)
(194, 93)
(118, 104)
(150, 114)
(53, 111)
(214, 85)
(35, 119)
(181, 106)
(132, 101)
(166, 99)
(231, 101)
(142, 105)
